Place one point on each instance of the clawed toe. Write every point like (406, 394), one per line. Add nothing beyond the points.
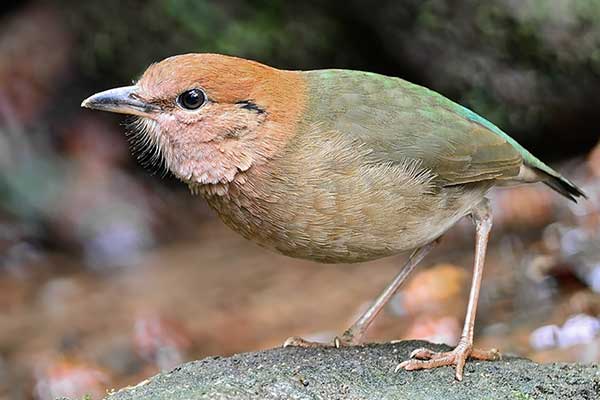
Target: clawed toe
(424, 358)
(422, 353)
(486, 355)
(296, 341)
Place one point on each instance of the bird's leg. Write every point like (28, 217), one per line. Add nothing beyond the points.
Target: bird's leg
(424, 358)
(354, 335)
(356, 332)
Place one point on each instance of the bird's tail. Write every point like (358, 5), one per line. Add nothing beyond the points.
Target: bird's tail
(560, 184)
(548, 175)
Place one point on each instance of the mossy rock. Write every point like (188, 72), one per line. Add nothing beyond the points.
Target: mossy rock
(365, 372)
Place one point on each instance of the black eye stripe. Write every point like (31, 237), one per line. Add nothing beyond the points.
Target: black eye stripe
(191, 99)
(251, 106)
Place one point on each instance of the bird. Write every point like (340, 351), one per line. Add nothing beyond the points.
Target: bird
(332, 165)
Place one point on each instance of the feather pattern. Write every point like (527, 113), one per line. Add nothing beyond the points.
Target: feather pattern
(400, 121)
(329, 197)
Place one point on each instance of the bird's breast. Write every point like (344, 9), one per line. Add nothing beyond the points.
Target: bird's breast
(324, 199)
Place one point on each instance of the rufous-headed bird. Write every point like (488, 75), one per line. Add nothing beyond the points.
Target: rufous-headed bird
(334, 166)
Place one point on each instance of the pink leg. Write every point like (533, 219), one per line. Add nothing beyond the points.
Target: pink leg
(355, 334)
(424, 358)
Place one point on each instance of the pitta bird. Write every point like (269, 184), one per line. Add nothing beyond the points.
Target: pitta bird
(334, 166)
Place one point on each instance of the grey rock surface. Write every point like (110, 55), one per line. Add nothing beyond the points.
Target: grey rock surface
(361, 373)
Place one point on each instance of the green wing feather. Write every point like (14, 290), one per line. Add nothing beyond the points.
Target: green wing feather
(399, 120)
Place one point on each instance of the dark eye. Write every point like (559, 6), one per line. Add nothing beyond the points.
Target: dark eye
(191, 99)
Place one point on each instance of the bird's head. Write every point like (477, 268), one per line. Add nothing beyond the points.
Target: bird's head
(209, 116)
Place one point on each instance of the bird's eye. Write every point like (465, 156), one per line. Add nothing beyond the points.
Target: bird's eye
(191, 99)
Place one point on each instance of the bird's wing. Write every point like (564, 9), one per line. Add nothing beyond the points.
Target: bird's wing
(401, 121)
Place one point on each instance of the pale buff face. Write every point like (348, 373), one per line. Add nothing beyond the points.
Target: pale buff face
(206, 145)
(247, 113)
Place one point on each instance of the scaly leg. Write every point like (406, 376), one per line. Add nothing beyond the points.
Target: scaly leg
(356, 332)
(482, 217)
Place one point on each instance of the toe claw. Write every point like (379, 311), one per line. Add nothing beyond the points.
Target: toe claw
(460, 366)
(291, 341)
(422, 353)
(489, 355)
(337, 342)
(405, 365)
(296, 341)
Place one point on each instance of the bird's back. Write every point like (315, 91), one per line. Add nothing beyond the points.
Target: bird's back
(400, 120)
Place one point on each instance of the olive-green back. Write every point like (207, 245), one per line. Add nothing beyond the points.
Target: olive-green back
(399, 120)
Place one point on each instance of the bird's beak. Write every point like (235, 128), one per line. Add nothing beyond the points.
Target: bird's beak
(121, 100)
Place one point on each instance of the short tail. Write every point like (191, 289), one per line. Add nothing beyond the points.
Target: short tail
(561, 184)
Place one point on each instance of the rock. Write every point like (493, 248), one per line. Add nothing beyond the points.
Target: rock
(365, 372)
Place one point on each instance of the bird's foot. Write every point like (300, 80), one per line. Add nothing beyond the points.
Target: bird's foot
(337, 342)
(424, 358)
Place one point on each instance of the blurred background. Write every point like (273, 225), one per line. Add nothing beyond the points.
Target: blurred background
(109, 274)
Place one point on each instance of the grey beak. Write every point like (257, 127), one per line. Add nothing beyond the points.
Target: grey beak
(120, 100)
